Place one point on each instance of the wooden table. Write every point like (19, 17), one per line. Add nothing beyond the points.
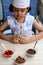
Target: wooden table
(20, 49)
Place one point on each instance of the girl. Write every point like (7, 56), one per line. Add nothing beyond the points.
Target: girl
(21, 24)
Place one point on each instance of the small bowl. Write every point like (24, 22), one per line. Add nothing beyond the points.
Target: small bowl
(21, 60)
(7, 53)
(31, 52)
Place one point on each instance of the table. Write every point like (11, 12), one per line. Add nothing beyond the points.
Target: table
(20, 49)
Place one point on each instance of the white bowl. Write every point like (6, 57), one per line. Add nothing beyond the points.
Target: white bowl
(8, 55)
(31, 54)
(19, 63)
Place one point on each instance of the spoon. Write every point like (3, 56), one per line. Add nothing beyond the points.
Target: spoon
(4, 46)
(34, 44)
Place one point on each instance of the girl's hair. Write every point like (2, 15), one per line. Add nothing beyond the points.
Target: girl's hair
(11, 8)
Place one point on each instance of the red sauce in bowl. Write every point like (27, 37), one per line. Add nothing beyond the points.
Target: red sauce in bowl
(8, 53)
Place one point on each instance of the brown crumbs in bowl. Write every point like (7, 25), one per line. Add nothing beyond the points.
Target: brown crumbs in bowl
(19, 60)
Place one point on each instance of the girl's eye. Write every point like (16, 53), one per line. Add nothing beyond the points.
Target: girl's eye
(15, 10)
(22, 10)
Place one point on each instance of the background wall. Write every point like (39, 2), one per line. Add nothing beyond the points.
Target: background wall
(1, 12)
(40, 10)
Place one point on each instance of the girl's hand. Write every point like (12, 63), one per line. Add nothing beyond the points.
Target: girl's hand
(23, 40)
(20, 39)
(15, 39)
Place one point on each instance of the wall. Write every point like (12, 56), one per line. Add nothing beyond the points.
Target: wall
(1, 11)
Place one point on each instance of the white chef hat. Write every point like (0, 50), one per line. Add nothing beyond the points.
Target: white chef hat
(21, 3)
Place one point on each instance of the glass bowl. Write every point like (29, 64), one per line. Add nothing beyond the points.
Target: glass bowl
(7, 53)
(31, 52)
(19, 60)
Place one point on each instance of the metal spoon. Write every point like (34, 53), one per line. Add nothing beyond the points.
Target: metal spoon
(34, 44)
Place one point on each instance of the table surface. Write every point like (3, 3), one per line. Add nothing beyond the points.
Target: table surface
(20, 50)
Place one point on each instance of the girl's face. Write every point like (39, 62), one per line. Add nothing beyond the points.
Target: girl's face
(20, 13)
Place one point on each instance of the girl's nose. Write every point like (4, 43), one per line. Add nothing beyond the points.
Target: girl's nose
(19, 12)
